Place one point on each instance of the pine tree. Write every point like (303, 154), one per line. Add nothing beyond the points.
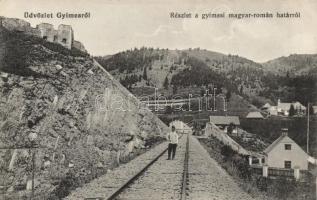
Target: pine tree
(228, 95)
(291, 110)
(165, 84)
(144, 74)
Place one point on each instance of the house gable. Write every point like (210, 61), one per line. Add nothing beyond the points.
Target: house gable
(286, 149)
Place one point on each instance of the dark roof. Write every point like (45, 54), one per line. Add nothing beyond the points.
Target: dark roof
(225, 120)
(278, 140)
(269, 148)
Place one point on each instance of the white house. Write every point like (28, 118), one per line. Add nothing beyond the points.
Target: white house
(272, 110)
(283, 108)
(285, 153)
(315, 109)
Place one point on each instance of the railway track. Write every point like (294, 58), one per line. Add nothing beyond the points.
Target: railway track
(160, 179)
(191, 175)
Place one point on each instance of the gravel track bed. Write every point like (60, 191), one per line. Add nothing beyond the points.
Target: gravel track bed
(105, 185)
(207, 180)
(161, 181)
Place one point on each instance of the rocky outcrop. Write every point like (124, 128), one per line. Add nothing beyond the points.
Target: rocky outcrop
(83, 117)
(18, 25)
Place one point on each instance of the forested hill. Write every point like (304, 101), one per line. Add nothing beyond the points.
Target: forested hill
(174, 70)
(298, 64)
(155, 67)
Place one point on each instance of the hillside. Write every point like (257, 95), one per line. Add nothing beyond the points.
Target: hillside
(175, 72)
(152, 67)
(295, 64)
(67, 99)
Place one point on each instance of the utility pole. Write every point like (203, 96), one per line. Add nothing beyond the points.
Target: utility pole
(33, 172)
(307, 128)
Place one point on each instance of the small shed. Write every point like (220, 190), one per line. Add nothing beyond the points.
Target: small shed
(254, 115)
(223, 122)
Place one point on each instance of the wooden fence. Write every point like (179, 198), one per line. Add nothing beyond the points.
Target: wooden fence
(279, 172)
(304, 175)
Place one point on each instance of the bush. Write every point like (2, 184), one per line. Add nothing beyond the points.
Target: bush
(66, 185)
(227, 151)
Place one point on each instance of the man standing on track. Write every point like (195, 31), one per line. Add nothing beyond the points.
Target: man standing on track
(172, 137)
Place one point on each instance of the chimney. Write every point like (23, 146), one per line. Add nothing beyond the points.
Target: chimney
(284, 131)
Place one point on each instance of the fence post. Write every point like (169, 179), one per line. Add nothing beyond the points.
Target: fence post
(13, 158)
(265, 171)
(260, 161)
(316, 185)
(250, 160)
(296, 173)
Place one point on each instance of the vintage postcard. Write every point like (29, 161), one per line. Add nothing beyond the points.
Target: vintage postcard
(158, 99)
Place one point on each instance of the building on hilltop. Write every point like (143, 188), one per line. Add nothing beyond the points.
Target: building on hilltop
(64, 34)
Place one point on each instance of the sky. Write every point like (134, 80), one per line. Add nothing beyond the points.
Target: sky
(118, 25)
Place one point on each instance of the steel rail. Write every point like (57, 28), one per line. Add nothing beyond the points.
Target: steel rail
(115, 194)
(185, 180)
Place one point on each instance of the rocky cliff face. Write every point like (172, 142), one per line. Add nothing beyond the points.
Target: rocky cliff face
(82, 116)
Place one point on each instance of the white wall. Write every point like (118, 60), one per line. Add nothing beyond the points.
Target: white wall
(278, 155)
(213, 130)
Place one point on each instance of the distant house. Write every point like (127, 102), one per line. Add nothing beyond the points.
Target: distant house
(266, 106)
(283, 108)
(315, 109)
(223, 122)
(180, 126)
(273, 110)
(254, 115)
(285, 153)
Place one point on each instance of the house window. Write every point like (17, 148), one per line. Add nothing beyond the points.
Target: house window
(45, 37)
(64, 40)
(288, 164)
(263, 160)
(288, 147)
